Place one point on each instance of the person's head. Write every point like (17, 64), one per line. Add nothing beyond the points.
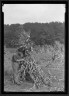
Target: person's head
(21, 49)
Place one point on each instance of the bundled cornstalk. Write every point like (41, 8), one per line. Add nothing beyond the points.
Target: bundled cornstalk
(27, 64)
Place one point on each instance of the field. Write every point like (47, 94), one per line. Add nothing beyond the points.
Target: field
(51, 69)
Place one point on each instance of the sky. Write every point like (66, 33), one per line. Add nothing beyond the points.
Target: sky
(41, 13)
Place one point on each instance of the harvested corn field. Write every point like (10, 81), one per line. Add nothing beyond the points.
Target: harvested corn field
(35, 71)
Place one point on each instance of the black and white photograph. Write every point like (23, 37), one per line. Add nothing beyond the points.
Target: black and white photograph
(34, 47)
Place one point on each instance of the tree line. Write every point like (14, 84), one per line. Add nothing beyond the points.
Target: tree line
(40, 33)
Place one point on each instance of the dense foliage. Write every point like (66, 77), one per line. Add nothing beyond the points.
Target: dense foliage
(46, 32)
(40, 33)
(11, 35)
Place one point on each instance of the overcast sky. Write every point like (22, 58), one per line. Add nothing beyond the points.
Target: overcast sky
(22, 13)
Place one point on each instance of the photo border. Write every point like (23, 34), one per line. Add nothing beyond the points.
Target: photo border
(66, 45)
